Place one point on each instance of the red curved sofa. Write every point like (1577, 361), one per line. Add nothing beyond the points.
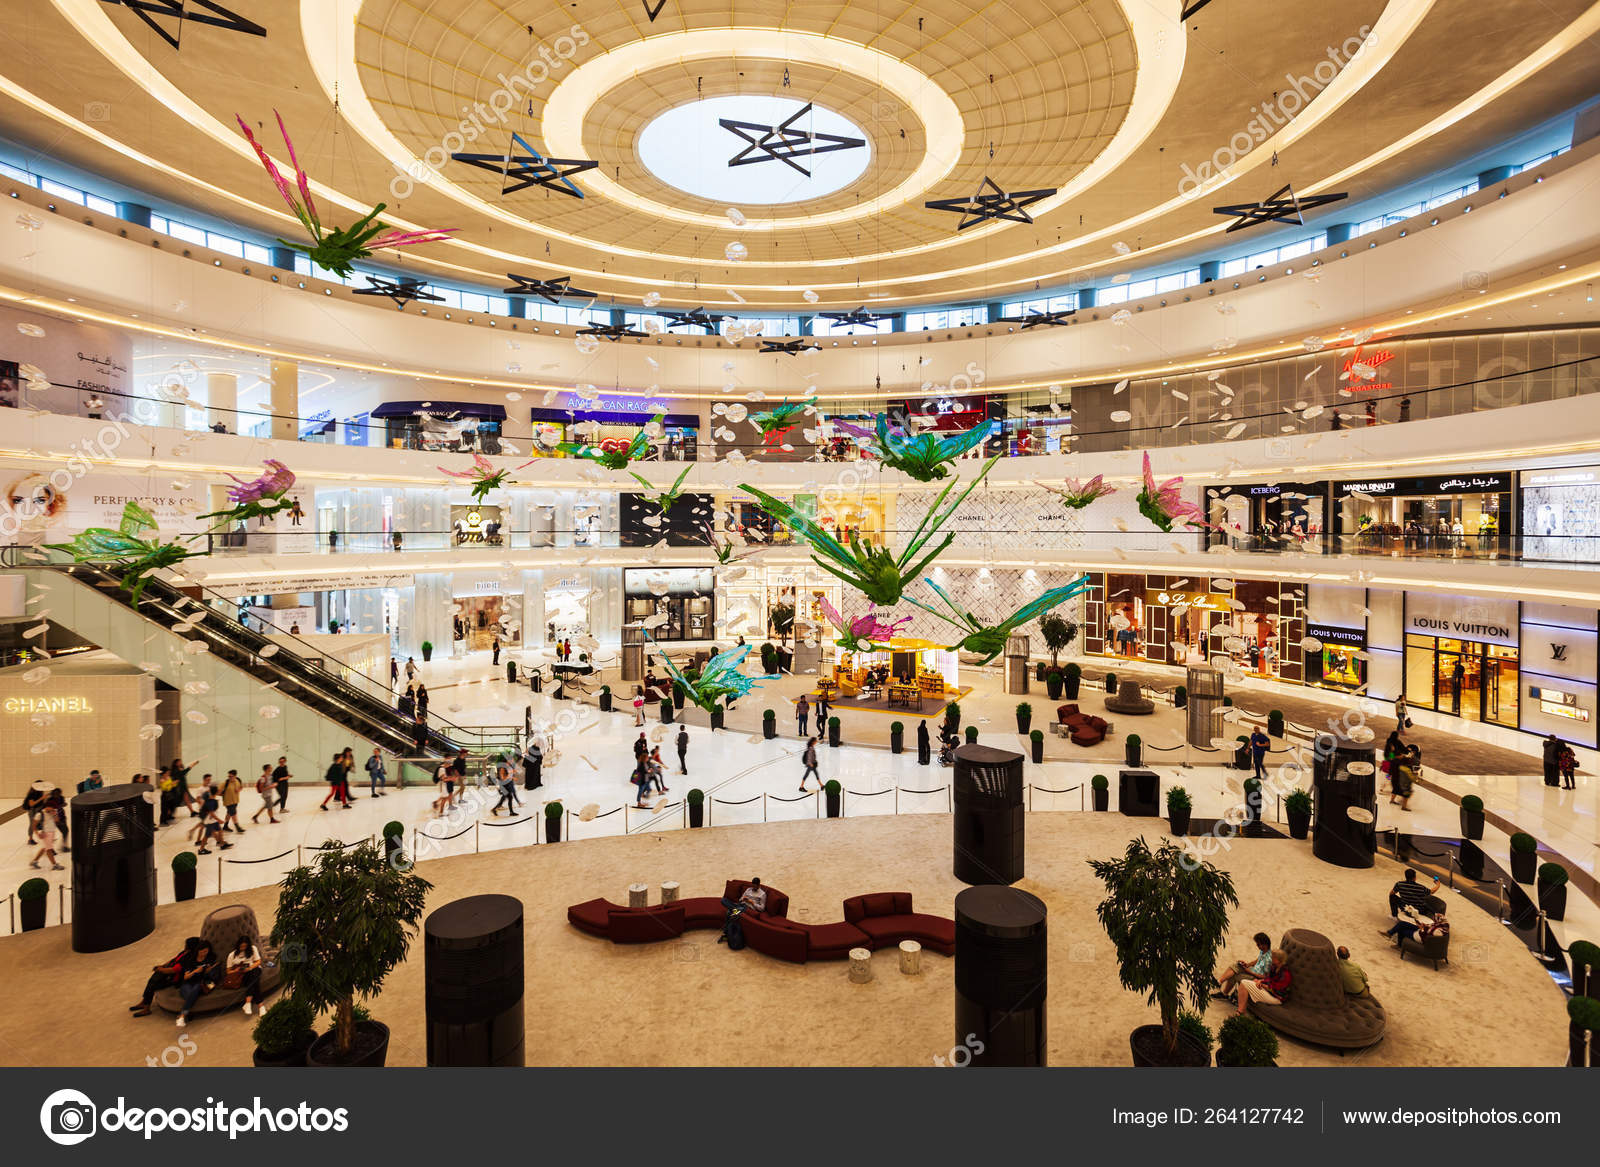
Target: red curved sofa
(871, 921)
(1084, 729)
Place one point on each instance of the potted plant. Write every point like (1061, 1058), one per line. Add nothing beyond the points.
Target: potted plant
(1102, 791)
(343, 925)
(427, 650)
(1584, 957)
(1054, 683)
(183, 875)
(1180, 697)
(952, 716)
(605, 698)
(284, 1033)
(32, 897)
(972, 735)
(1038, 670)
(1226, 701)
(1553, 890)
(831, 796)
(1275, 722)
(394, 840)
(1470, 856)
(833, 731)
(1252, 804)
(1058, 632)
(552, 822)
(1471, 817)
(782, 620)
(666, 711)
(1036, 745)
(1166, 915)
(1071, 680)
(1241, 753)
(678, 694)
(1195, 1028)
(1246, 1041)
(718, 717)
(897, 737)
(1133, 751)
(1024, 716)
(696, 799)
(1297, 808)
(769, 659)
(1179, 808)
(769, 723)
(1524, 857)
(1583, 1014)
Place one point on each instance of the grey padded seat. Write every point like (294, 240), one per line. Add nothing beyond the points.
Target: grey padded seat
(222, 929)
(1318, 1009)
(1128, 699)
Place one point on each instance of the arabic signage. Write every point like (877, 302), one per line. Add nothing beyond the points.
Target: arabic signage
(1407, 487)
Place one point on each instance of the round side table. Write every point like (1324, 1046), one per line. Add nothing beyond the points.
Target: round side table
(638, 895)
(910, 957)
(860, 965)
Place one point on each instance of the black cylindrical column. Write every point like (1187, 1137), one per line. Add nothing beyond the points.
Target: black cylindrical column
(113, 867)
(989, 827)
(1345, 801)
(472, 962)
(1002, 972)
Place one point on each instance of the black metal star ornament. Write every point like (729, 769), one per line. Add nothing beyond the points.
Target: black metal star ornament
(610, 331)
(401, 291)
(694, 318)
(783, 143)
(855, 316)
(1040, 319)
(1277, 208)
(791, 348)
(530, 168)
(215, 15)
(554, 290)
(991, 203)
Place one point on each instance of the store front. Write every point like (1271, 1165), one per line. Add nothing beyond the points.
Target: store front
(476, 526)
(1462, 658)
(1462, 516)
(447, 426)
(612, 423)
(1268, 516)
(684, 596)
(1339, 661)
(1561, 514)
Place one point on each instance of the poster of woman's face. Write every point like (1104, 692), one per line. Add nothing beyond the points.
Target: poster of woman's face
(28, 506)
(9, 384)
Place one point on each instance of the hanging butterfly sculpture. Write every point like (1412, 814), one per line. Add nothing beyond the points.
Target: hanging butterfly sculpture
(732, 550)
(484, 476)
(864, 633)
(668, 497)
(1075, 494)
(720, 678)
(127, 548)
(989, 641)
(336, 248)
(921, 457)
(613, 459)
(1165, 505)
(876, 572)
(261, 497)
(780, 419)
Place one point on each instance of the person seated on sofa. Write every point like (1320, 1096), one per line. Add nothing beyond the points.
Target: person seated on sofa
(753, 897)
(1271, 989)
(199, 977)
(1228, 982)
(1353, 975)
(243, 971)
(1410, 893)
(1413, 925)
(163, 976)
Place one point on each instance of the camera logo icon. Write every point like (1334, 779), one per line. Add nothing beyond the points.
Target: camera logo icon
(97, 111)
(68, 1117)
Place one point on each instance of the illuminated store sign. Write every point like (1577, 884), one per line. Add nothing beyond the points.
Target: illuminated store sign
(1202, 601)
(1345, 637)
(1411, 487)
(26, 705)
(1558, 704)
(1360, 380)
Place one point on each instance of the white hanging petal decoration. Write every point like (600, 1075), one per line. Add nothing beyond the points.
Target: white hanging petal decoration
(736, 217)
(1222, 585)
(1225, 308)
(37, 630)
(1313, 344)
(197, 717)
(36, 675)
(651, 299)
(736, 413)
(809, 296)
(736, 252)
(269, 650)
(1312, 412)
(269, 711)
(197, 688)
(1234, 431)
(1311, 644)
(196, 647)
(1121, 316)
(1120, 386)
(42, 719)
(41, 747)
(149, 733)
(28, 329)
(586, 344)
(1121, 415)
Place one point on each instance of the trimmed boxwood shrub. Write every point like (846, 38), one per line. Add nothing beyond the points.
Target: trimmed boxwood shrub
(1100, 782)
(1524, 842)
(1585, 1013)
(1552, 875)
(37, 889)
(1195, 1026)
(288, 1025)
(184, 861)
(1472, 804)
(972, 734)
(1245, 1041)
(1036, 735)
(1178, 799)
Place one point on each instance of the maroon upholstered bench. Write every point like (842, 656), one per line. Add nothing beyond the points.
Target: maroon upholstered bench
(887, 918)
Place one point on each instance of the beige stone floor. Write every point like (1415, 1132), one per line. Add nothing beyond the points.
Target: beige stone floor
(589, 1002)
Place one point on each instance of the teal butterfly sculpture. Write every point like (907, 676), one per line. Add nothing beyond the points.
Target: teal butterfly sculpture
(720, 678)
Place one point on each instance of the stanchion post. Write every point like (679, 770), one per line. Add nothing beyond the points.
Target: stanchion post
(475, 833)
(61, 902)
(1500, 907)
(1539, 934)
(219, 874)
(1029, 790)
(897, 799)
(763, 806)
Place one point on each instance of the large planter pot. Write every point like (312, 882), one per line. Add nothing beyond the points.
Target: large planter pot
(1111, 687)
(1470, 857)
(391, 844)
(1133, 753)
(1053, 687)
(769, 728)
(32, 913)
(289, 1059)
(697, 814)
(1524, 866)
(897, 741)
(1102, 799)
(427, 654)
(1024, 722)
(1145, 1043)
(1038, 671)
(1471, 824)
(552, 830)
(1241, 757)
(1180, 698)
(666, 713)
(1178, 820)
(1252, 811)
(1037, 750)
(1070, 685)
(1299, 823)
(717, 716)
(183, 884)
(1275, 726)
(677, 699)
(831, 801)
(372, 1047)
(1553, 900)
(833, 733)
(605, 703)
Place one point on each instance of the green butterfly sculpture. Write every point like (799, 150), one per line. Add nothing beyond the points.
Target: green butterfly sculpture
(667, 498)
(876, 572)
(922, 456)
(719, 679)
(990, 640)
(613, 459)
(124, 548)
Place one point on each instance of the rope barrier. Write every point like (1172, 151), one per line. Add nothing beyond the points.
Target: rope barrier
(930, 790)
(508, 823)
(1068, 790)
(607, 815)
(725, 802)
(447, 838)
(1162, 749)
(867, 793)
(796, 798)
(341, 846)
(268, 859)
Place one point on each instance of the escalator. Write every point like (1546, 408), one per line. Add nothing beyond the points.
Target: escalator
(366, 712)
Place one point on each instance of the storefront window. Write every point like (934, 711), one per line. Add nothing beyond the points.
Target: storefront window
(1462, 517)
(685, 596)
(1463, 678)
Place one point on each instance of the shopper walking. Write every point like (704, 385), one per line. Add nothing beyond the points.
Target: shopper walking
(802, 715)
(809, 758)
(683, 749)
(377, 775)
(507, 787)
(231, 789)
(267, 789)
(822, 710)
(924, 745)
(335, 780)
(638, 705)
(422, 703)
(280, 779)
(494, 648)
(411, 668)
(1260, 743)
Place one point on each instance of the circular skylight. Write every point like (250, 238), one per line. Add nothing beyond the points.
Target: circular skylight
(754, 151)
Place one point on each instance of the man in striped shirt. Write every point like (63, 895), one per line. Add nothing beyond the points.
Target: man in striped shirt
(1409, 893)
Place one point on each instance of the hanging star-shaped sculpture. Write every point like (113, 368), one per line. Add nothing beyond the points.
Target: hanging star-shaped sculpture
(530, 168)
(991, 203)
(863, 634)
(784, 143)
(694, 318)
(791, 348)
(186, 10)
(856, 316)
(989, 641)
(1040, 319)
(608, 331)
(127, 548)
(1277, 208)
(554, 291)
(402, 292)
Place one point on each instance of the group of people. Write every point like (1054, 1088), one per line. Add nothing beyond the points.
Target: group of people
(564, 651)
(198, 969)
(1560, 763)
(46, 812)
(1402, 762)
(648, 767)
(1264, 979)
(413, 702)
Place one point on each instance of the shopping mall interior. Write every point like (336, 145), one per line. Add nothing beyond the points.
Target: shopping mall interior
(1098, 502)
